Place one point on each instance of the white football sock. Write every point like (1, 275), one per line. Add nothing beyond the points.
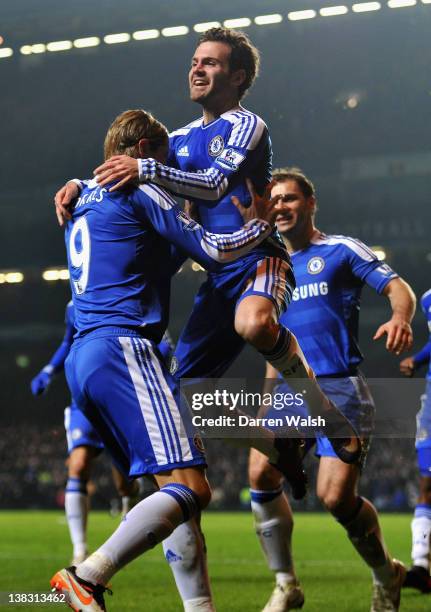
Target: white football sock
(186, 554)
(421, 533)
(274, 525)
(76, 508)
(147, 524)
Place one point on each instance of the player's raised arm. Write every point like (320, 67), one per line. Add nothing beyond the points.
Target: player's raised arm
(398, 329)
(43, 379)
(207, 248)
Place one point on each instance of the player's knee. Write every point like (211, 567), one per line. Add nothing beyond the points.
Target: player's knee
(263, 476)
(256, 327)
(79, 468)
(333, 502)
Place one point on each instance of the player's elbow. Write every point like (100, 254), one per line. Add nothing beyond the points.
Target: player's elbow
(399, 288)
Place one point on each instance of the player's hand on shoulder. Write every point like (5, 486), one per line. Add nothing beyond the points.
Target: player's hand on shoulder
(399, 335)
(407, 366)
(63, 200)
(118, 169)
(40, 383)
(261, 207)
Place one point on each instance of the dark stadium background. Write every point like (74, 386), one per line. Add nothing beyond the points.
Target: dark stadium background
(346, 98)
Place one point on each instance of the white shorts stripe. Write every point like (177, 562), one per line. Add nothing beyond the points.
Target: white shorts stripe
(144, 359)
(159, 400)
(67, 426)
(142, 392)
(174, 412)
(271, 278)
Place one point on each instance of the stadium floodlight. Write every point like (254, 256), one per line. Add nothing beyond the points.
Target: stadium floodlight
(115, 39)
(59, 45)
(401, 3)
(298, 15)
(241, 22)
(38, 48)
(364, 7)
(426, 1)
(175, 31)
(11, 277)
(90, 41)
(26, 50)
(268, 19)
(6, 52)
(145, 34)
(332, 11)
(56, 274)
(203, 27)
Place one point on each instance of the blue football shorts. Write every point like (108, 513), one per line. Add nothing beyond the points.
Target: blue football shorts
(128, 395)
(79, 430)
(352, 397)
(209, 344)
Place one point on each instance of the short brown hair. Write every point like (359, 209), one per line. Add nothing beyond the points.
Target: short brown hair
(243, 55)
(127, 129)
(281, 175)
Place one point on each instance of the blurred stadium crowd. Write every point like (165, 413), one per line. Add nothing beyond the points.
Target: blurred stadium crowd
(33, 473)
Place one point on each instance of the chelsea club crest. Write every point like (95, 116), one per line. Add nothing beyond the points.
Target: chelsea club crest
(216, 146)
(315, 265)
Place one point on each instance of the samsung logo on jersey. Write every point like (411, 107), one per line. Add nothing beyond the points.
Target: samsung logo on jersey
(310, 290)
(92, 196)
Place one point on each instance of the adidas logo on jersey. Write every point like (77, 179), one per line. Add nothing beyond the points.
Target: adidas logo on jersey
(183, 151)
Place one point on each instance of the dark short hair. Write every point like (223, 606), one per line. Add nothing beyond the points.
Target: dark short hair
(244, 55)
(281, 175)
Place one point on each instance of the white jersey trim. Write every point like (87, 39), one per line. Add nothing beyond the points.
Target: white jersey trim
(186, 129)
(358, 247)
(247, 129)
(158, 195)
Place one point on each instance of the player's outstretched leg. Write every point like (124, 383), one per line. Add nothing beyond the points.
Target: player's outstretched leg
(337, 489)
(418, 576)
(288, 358)
(185, 551)
(256, 321)
(147, 524)
(274, 524)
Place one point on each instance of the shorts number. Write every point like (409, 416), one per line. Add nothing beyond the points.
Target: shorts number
(80, 259)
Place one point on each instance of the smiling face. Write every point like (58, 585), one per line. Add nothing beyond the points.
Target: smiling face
(297, 218)
(210, 78)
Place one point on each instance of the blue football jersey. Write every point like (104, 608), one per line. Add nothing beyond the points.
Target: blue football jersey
(119, 255)
(209, 164)
(324, 313)
(423, 357)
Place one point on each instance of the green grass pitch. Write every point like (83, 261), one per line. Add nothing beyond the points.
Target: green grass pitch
(35, 544)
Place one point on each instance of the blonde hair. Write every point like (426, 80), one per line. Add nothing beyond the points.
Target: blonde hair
(129, 128)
